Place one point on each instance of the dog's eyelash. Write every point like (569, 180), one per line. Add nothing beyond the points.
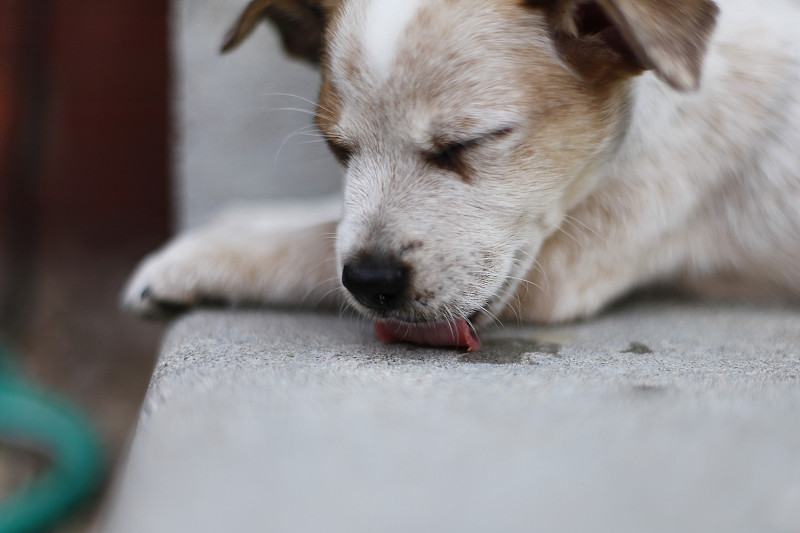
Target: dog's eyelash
(342, 151)
(449, 156)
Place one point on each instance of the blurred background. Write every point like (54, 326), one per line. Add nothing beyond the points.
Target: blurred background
(84, 193)
(120, 123)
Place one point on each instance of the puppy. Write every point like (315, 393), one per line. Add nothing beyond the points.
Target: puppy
(525, 159)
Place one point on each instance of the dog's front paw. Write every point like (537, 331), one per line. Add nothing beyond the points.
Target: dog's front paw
(183, 274)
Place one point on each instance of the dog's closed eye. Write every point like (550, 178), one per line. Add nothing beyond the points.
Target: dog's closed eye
(449, 155)
(342, 151)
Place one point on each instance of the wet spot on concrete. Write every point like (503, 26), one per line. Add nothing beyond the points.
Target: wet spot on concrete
(509, 351)
(492, 357)
(649, 390)
(638, 348)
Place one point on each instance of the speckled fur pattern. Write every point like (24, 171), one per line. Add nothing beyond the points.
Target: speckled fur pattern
(587, 173)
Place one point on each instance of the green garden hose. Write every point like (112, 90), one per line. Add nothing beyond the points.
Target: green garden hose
(43, 422)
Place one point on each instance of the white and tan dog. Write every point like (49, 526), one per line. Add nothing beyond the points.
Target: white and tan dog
(531, 159)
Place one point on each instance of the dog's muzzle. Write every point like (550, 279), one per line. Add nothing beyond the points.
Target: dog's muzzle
(381, 283)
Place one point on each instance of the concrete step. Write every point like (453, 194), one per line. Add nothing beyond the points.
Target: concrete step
(657, 416)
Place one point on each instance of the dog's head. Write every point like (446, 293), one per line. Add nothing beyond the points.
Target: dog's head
(468, 128)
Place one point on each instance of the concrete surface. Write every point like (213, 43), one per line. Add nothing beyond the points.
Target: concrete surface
(657, 416)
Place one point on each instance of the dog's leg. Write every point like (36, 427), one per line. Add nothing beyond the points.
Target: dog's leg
(598, 255)
(244, 257)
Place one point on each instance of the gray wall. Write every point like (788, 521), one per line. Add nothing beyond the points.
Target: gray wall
(227, 124)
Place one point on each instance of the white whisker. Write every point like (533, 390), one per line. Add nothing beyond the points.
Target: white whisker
(574, 221)
(283, 143)
(315, 104)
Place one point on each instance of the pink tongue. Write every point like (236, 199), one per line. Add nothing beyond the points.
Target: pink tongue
(455, 334)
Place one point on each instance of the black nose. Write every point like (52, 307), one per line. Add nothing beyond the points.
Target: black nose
(377, 282)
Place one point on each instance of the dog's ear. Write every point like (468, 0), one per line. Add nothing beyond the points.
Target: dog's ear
(301, 24)
(602, 38)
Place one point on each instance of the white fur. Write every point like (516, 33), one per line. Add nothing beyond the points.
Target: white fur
(384, 26)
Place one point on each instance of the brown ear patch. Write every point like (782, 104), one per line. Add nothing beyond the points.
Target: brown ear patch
(592, 45)
(604, 39)
(669, 36)
(301, 24)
